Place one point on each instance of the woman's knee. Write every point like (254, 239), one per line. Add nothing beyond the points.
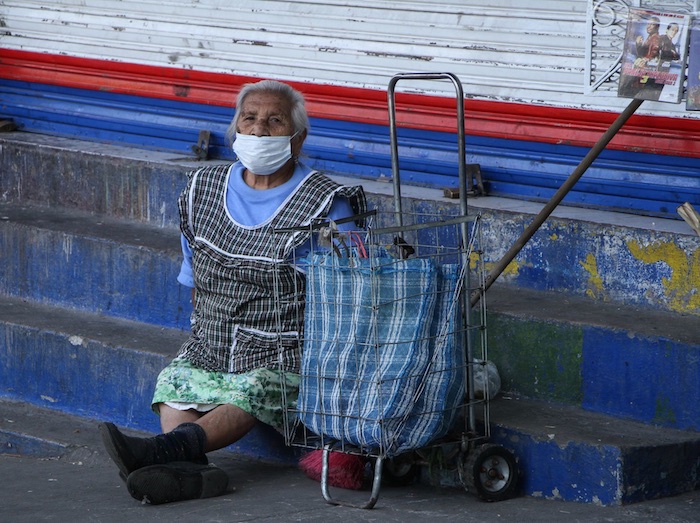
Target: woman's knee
(171, 417)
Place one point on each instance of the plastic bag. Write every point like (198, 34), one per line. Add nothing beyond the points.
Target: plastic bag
(486, 378)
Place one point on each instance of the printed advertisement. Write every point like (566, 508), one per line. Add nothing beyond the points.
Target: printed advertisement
(693, 101)
(654, 57)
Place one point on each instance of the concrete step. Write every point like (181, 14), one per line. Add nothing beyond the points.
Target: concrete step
(572, 454)
(83, 363)
(78, 260)
(28, 430)
(96, 367)
(75, 481)
(38, 432)
(562, 453)
(628, 362)
(140, 185)
(609, 256)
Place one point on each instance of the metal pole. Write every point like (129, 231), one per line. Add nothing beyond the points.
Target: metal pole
(556, 199)
(395, 169)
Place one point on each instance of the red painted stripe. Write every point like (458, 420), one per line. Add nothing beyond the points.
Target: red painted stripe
(662, 135)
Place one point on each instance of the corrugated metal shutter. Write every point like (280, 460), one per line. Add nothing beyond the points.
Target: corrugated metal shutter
(511, 50)
(518, 50)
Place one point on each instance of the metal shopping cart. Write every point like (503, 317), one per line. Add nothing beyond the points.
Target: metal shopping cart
(392, 348)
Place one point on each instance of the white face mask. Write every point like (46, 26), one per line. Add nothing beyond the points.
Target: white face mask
(263, 155)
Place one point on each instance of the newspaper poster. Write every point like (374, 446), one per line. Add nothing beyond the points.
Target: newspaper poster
(654, 56)
(693, 100)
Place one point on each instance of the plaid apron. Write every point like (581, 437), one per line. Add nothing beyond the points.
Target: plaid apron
(242, 274)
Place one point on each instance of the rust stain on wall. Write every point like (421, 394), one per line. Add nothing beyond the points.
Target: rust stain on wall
(181, 90)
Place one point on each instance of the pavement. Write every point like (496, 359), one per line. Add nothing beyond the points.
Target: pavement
(62, 473)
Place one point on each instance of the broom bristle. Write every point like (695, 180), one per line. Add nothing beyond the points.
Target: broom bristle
(344, 470)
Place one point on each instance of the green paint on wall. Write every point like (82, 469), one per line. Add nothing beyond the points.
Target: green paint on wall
(537, 359)
(664, 413)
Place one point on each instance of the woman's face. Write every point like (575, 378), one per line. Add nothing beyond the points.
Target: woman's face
(269, 114)
(265, 114)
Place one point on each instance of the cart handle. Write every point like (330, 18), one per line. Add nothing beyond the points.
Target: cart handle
(461, 148)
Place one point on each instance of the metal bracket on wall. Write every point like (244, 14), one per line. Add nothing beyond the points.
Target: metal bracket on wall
(475, 184)
(7, 126)
(202, 147)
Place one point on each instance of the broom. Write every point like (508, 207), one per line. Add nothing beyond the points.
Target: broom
(691, 216)
(344, 470)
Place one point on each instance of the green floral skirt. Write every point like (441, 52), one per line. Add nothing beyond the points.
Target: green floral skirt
(259, 392)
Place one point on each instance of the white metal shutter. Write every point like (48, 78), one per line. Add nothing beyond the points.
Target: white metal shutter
(509, 50)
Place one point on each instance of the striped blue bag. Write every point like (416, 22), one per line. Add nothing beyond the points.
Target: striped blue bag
(370, 373)
(441, 390)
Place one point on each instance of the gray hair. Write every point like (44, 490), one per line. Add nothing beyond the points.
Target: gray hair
(300, 118)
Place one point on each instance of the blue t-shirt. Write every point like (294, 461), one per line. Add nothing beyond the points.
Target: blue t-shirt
(250, 207)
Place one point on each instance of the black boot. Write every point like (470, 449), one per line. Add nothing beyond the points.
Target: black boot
(184, 443)
(176, 481)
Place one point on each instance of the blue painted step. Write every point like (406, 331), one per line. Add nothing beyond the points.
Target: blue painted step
(82, 261)
(604, 256)
(96, 367)
(104, 368)
(575, 455)
(629, 362)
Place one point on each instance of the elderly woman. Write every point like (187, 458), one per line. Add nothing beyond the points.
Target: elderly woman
(227, 375)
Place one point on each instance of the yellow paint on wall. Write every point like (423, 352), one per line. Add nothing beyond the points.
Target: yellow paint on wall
(681, 289)
(595, 281)
(474, 260)
(511, 270)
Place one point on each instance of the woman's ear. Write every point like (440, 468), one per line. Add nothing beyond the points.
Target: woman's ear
(298, 142)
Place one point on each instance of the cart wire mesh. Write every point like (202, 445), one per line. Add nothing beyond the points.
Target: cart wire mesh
(393, 356)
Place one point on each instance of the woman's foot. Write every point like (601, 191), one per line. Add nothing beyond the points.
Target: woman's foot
(176, 481)
(184, 443)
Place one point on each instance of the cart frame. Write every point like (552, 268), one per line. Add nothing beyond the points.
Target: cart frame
(497, 478)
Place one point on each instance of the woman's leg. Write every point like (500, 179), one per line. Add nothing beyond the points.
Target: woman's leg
(171, 417)
(223, 425)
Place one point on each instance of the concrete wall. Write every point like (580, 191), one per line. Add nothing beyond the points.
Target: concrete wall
(599, 310)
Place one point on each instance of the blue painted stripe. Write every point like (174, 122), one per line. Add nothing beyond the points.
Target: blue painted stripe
(620, 180)
(103, 116)
(667, 396)
(100, 275)
(577, 471)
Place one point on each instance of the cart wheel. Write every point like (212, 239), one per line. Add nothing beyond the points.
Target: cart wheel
(400, 471)
(491, 472)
